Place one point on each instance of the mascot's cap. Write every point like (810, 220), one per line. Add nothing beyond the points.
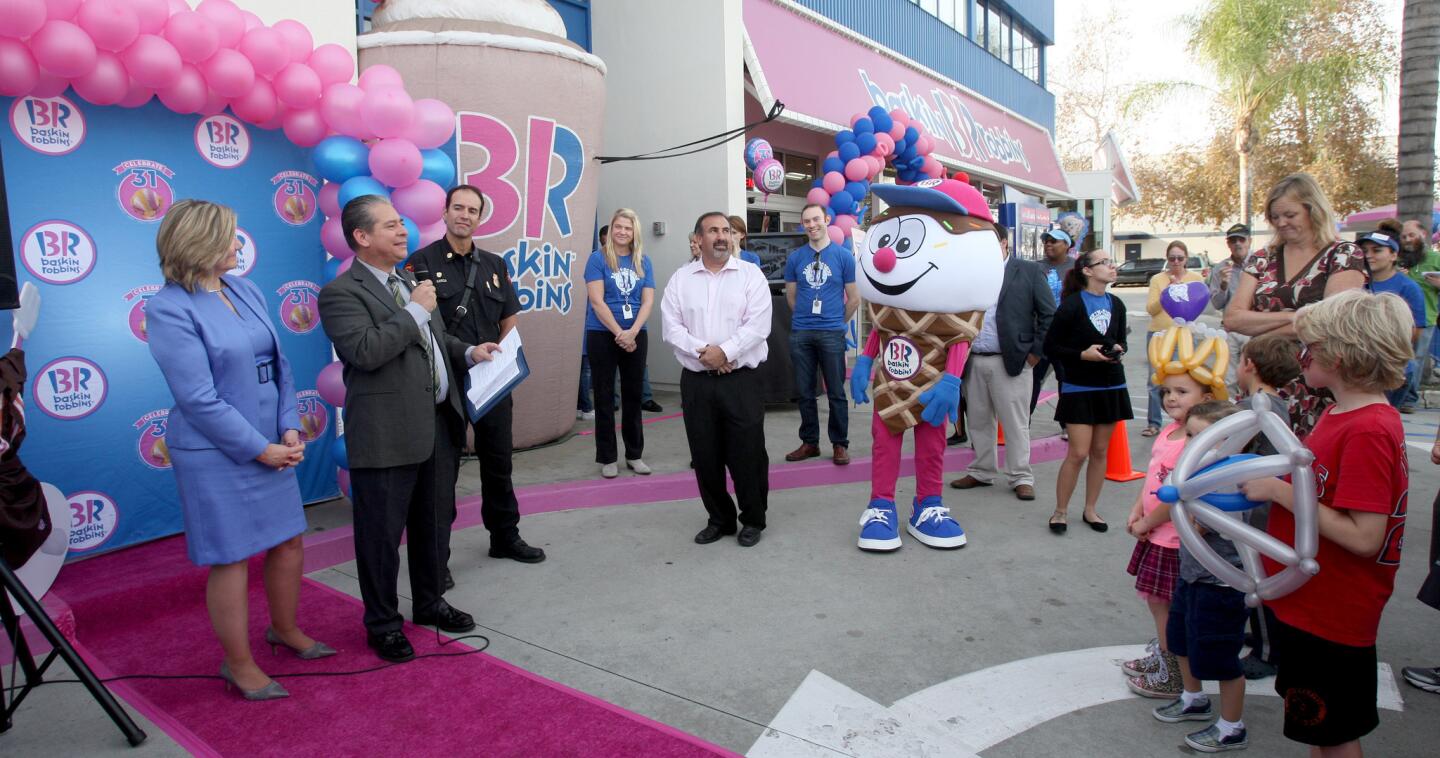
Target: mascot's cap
(943, 195)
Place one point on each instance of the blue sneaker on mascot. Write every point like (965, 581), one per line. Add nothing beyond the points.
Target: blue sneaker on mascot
(880, 527)
(932, 525)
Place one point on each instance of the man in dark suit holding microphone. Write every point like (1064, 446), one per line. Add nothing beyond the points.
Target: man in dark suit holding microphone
(403, 423)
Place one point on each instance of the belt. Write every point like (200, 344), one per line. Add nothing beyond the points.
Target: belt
(712, 372)
(977, 352)
(265, 372)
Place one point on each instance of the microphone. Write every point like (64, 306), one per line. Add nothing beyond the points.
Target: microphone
(421, 271)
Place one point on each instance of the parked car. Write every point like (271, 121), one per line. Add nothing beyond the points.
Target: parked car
(1138, 272)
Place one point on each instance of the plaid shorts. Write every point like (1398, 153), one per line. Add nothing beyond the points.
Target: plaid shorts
(1156, 569)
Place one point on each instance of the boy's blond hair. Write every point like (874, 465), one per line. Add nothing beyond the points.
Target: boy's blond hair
(1365, 336)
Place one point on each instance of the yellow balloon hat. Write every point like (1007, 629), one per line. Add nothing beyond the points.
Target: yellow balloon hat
(1184, 348)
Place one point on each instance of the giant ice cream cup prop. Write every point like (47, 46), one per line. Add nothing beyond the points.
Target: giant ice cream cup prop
(529, 107)
(929, 268)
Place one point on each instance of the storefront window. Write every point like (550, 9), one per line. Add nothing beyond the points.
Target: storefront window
(799, 173)
(992, 31)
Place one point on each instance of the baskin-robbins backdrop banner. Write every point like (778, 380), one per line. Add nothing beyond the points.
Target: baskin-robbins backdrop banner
(87, 187)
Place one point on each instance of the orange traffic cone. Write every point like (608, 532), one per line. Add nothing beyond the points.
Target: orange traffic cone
(999, 434)
(1117, 458)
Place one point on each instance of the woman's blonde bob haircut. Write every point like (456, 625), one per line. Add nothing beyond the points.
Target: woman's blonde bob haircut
(1365, 337)
(612, 258)
(1303, 189)
(194, 237)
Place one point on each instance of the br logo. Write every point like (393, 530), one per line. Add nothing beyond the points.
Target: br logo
(902, 359)
(135, 317)
(299, 305)
(151, 445)
(144, 192)
(69, 388)
(245, 259)
(222, 141)
(58, 252)
(314, 416)
(93, 518)
(49, 125)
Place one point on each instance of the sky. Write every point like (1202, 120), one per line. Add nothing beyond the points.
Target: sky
(1157, 46)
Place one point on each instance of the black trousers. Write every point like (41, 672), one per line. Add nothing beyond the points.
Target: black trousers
(412, 499)
(725, 424)
(605, 357)
(494, 449)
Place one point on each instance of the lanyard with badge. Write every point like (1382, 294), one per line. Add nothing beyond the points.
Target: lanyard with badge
(817, 305)
(626, 312)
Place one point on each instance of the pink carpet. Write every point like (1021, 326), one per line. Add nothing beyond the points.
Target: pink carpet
(141, 610)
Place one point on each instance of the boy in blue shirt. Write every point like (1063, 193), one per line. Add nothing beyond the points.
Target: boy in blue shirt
(820, 287)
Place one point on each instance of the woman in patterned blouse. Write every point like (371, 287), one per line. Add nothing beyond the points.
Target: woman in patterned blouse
(1304, 263)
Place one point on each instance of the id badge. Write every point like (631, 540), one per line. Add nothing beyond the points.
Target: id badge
(816, 306)
(626, 313)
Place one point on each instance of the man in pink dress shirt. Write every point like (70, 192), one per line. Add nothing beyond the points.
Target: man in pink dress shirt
(717, 316)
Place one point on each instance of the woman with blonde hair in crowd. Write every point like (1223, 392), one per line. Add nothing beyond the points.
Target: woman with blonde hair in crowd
(1176, 255)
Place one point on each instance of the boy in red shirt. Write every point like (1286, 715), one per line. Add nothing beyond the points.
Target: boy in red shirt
(1355, 344)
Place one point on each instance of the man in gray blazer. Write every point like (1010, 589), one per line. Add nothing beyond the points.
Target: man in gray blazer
(404, 420)
(998, 377)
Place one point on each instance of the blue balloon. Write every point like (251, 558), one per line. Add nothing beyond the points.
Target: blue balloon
(340, 158)
(360, 186)
(908, 154)
(332, 269)
(881, 119)
(842, 202)
(412, 239)
(337, 451)
(1225, 501)
(857, 189)
(849, 152)
(843, 137)
(866, 143)
(912, 135)
(817, 182)
(437, 167)
(900, 146)
(863, 126)
(831, 164)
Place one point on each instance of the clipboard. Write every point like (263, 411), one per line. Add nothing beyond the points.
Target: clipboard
(496, 378)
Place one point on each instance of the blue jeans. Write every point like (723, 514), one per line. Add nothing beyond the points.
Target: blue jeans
(1154, 416)
(824, 350)
(1411, 394)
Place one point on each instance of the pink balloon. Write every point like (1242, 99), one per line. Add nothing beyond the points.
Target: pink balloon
(106, 84)
(193, 35)
(22, 19)
(152, 61)
(229, 24)
(61, 10)
(297, 39)
(833, 154)
(332, 236)
(433, 126)
(276, 121)
(925, 145)
(380, 77)
(63, 49)
(332, 63)
(422, 202)
(342, 477)
(228, 73)
(252, 21)
(836, 234)
(432, 232)
(305, 127)
(340, 105)
(177, 6)
(19, 73)
(111, 24)
(297, 86)
(387, 112)
(188, 94)
(845, 222)
(152, 14)
(897, 133)
(900, 117)
(932, 168)
(396, 162)
(345, 265)
(884, 144)
(215, 103)
(49, 85)
(330, 383)
(856, 170)
(833, 182)
(818, 196)
(856, 117)
(266, 50)
(138, 95)
(876, 164)
(258, 105)
(329, 199)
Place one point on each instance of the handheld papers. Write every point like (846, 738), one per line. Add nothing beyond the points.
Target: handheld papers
(489, 381)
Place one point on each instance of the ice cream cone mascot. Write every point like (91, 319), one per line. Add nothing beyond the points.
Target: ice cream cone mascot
(930, 267)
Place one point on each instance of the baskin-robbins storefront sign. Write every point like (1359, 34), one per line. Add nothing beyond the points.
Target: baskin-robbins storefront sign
(969, 131)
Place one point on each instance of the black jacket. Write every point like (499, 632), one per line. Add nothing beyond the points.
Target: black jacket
(493, 300)
(1071, 333)
(1023, 314)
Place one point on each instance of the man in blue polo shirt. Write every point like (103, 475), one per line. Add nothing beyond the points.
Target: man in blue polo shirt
(820, 287)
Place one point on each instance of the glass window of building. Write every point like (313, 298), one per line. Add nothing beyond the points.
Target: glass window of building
(799, 173)
(992, 31)
(930, 6)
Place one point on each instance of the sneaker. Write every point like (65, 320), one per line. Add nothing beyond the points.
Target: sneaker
(1148, 664)
(1175, 711)
(1254, 668)
(585, 415)
(1164, 683)
(1425, 679)
(930, 522)
(638, 466)
(609, 471)
(879, 529)
(1211, 740)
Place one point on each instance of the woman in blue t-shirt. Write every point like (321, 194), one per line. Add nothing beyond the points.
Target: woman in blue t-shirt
(620, 284)
(1382, 252)
(737, 225)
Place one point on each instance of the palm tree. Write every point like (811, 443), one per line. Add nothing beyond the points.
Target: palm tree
(1419, 75)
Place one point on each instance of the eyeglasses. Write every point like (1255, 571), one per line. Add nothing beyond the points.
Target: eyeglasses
(1175, 258)
(1101, 262)
(1306, 355)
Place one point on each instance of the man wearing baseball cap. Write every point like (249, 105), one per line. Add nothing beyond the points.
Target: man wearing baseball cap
(1055, 265)
(1382, 253)
(1223, 280)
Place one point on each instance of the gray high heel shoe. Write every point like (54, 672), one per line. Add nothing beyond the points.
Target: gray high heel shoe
(318, 650)
(271, 691)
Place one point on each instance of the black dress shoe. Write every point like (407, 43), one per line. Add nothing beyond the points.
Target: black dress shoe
(711, 533)
(651, 406)
(518, 551)
(748, 536)
(449, 581)
(447, 618)
(391, 646)
(958, 438)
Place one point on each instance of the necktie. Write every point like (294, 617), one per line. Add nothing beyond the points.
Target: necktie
(400, 300)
